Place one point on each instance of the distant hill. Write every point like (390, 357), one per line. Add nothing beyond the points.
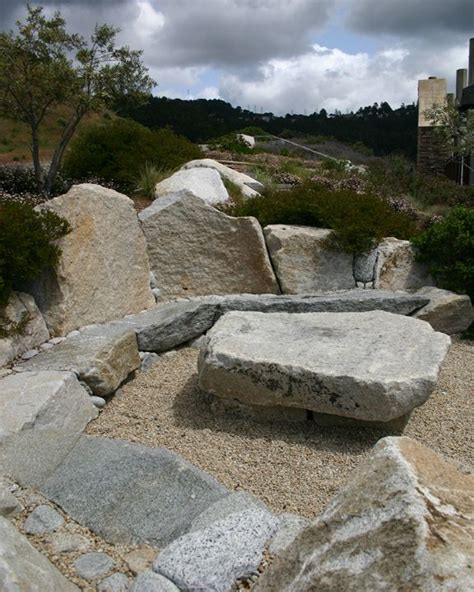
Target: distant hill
(379, 127)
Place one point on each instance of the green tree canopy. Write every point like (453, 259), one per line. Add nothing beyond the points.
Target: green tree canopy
(43, 66)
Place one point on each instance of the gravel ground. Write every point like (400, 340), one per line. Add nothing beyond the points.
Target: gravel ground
(293, 467)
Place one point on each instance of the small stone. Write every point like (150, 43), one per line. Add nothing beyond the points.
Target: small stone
(74, 333)
(9, 505)
(5, 372)
(149, 581)
(363, 267)
(30, 354)
(93, 565)
(43, 519)
(56, 340)
(99, 402)
(140, 559)
(156, 293)
(65, 542)
(169, 354)
(46, 346)
(149, 360)
(117, 582)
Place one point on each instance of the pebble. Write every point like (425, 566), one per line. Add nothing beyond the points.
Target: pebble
(56, 340)
(117, 582)
(140, 559)
(149, 360)
(46, 346)
(98, 401)
(43, 519)
(5, 372)
(9, 505)
(93, 565)
(31, 353)
(73, 333)
(65, 542)
(150, 581)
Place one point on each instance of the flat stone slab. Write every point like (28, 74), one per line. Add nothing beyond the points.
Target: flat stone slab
(42, 414)
(447, 312)
(168, 325)
(202, 182)
(212, 559)
(372, 366)
(129, 493)
(101, 356)
(23, 568)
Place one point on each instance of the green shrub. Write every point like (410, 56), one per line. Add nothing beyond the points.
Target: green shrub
(148, 177)
(448, 248)
(27, 246)
(359, 221)
(116, 150)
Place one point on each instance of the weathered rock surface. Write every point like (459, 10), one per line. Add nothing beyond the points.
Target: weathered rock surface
(23, 568)
(235, 502)
(213, 558)
(166, 326)
(43, 519)
(446, 312)
(117, 582)
(101, 356)
(373, 366)
(42, 415)
(303, 263)
(205, 183)
(363, 268)
(21, 311)
(396, 267)
(248, 185)
(103, 272)
(404, 522)
(130, 493)
(194, 249)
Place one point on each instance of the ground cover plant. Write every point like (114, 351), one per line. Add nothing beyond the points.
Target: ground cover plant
(360, 221)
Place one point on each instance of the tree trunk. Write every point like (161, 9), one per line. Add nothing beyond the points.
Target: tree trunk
(59, 152)
(39, 174)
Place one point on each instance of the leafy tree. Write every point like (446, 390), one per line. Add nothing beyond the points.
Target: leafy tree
(43, 66)
(455, 128)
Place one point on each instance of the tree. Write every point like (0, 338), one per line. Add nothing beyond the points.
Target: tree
(43, 66)
(454, 128)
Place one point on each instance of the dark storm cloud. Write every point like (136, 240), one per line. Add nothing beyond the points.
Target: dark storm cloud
(412, 17)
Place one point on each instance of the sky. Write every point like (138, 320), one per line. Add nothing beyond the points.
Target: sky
(284, 56)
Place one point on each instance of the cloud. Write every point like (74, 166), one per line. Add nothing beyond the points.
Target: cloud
(412, 18)
(326, 78)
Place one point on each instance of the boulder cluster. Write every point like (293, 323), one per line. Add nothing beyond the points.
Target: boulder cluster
(283, 325)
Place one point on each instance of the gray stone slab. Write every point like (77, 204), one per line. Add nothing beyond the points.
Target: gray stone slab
(168, 325)
(117, 582)
(42, 414)
(356, 300)
(43, 519)
(149, 581)
(370, 366)
(231, 504)
(130, 493)
(23, 568)
(212, 559)
(93, 565)
(102, 356)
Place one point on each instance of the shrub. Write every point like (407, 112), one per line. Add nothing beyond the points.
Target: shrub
(27, 246)
(448, 247)
(148, 176)
(116, 150)
(359, 221)
(20, 180)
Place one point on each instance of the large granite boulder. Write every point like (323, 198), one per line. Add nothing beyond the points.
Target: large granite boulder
(128, 493)
(303, 262)
(396, 267)
(42, 414)
(247, 185)
(446, 312)
(24, 569)
(371, 366)
(101, 356)
(205, 183)
(25, 326)
(194, 249)
(103, 271)
(404, 522)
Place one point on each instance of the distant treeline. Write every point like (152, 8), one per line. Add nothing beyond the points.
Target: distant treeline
(379, 127)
